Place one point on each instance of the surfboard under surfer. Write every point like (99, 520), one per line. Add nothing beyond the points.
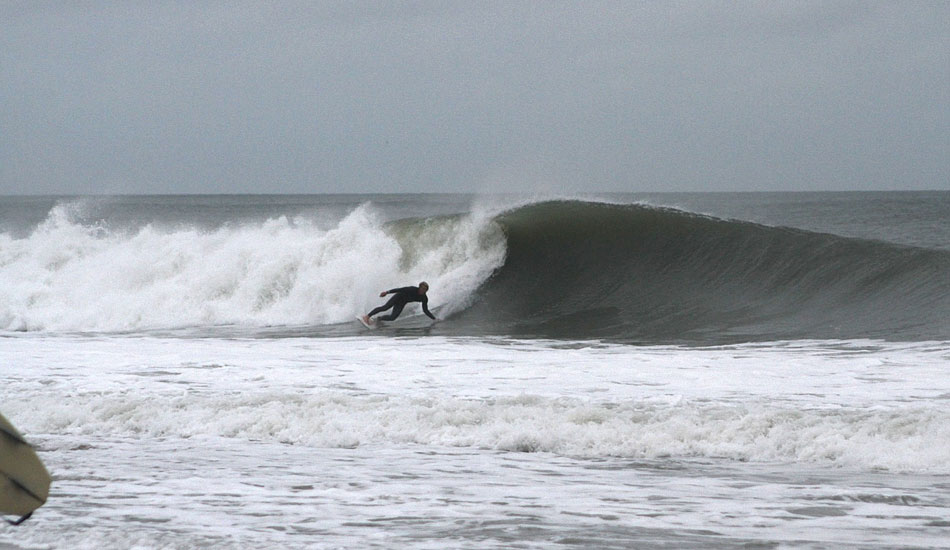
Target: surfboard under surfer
(401, 297)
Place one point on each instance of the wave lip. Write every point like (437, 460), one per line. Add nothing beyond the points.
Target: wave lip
(641, 273)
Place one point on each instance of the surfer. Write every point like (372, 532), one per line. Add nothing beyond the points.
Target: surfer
(401, 297)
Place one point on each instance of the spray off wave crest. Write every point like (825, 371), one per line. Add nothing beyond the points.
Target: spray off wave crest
(69, 276)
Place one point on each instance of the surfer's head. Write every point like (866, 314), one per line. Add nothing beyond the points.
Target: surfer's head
(423, 287)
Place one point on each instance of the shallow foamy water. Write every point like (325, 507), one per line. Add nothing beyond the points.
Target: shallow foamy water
(475, 443)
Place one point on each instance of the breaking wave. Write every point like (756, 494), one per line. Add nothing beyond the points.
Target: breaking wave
(562, 269)
(69, 276)
(658, 274)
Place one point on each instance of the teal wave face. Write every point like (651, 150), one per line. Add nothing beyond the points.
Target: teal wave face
(639, 273)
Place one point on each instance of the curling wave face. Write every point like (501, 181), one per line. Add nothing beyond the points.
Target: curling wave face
(560, 269)
(578, 269)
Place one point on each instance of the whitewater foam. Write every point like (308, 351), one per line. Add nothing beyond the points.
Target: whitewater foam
(69, 276)
(898, 440)
(858, 404)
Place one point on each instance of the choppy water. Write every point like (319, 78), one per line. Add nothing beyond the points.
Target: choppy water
(774, 373)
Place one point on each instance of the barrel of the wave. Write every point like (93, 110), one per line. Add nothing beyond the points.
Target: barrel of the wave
(24, 481)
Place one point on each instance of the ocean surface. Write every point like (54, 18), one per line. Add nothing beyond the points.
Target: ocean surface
(711, 370)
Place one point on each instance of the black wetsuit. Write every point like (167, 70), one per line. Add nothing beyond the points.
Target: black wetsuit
(401, 297)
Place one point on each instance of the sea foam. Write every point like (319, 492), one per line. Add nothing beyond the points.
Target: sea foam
(851, 404)
(70, 276)
(901, 440)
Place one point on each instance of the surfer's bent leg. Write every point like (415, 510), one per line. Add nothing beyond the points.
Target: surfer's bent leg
(384, 307)
(396, 311)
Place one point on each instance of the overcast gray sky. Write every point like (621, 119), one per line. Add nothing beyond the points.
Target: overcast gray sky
(312, 97)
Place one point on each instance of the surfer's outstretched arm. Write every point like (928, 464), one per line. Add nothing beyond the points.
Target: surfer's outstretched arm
(425, 309)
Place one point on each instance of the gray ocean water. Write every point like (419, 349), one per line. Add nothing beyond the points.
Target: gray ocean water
(613, 371)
